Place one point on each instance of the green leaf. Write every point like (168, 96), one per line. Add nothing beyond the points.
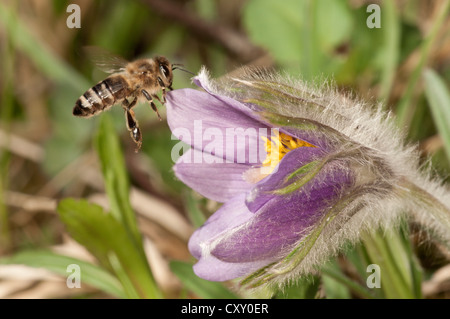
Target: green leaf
(390, 50)
(386, 250)
(106, 238)
(276, 27)
(334, 23)
(413, 264)
(202, 288)
(92, 275)
(438, 96)
(115, 176)
(301, 35)
(405, 109)
(122, 215)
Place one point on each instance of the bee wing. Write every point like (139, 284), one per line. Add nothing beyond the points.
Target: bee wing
(106, 61)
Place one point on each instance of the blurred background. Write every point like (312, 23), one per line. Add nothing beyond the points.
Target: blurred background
(48, 155)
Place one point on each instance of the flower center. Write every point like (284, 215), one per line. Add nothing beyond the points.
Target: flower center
(278, 146)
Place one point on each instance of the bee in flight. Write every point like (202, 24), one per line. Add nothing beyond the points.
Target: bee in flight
(130, 81)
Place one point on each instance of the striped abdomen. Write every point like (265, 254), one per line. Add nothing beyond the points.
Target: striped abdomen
(101, 96)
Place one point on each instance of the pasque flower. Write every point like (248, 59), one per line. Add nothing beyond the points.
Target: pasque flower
(326, 169)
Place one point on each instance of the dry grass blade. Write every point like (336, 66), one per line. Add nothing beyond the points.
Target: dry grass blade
(21, 146)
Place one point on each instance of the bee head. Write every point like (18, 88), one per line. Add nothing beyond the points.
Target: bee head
(165, 71)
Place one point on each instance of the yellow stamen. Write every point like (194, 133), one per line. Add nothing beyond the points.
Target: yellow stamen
(278, 146)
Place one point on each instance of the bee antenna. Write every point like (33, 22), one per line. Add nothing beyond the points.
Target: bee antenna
(181, 69)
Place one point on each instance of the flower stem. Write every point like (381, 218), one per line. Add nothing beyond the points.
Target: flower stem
(438, 211)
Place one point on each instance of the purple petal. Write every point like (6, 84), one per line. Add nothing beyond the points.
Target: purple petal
(230, 215)
(216, 126)
(214, 269)
(292, 161)
(248, 109)
(283, 220)
(213, 178)
(313, 137)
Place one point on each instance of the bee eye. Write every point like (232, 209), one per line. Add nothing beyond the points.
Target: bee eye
(164, 70)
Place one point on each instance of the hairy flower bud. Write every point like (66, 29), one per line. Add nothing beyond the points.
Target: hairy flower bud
(332, 168)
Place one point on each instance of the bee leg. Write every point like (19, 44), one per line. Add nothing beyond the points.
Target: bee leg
(164, 94)
(132, 123)
(133, 127)
(127, 105)
(163, 88)
(157, 97)
(152, 104)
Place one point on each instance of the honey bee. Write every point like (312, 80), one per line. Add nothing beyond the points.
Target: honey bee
(130, 81)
